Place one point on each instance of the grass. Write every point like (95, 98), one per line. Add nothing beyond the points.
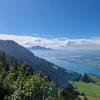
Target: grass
(90, 89)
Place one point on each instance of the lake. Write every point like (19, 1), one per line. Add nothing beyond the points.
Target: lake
(51, 56)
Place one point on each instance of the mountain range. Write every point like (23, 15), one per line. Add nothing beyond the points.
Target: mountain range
(13, 49)
(39, 48)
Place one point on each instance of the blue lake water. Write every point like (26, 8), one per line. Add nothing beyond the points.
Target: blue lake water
(51, 56)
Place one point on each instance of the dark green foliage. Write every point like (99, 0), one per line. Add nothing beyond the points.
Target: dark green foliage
(69, 93)
(86, 78)
(18, 83)
(85, 98)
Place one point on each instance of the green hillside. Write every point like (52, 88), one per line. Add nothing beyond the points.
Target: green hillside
(90, 89)
(18, 83)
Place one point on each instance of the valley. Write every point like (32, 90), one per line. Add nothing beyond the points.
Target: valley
(93, 61)
(20, 67)
(49, 49)
(63, 59)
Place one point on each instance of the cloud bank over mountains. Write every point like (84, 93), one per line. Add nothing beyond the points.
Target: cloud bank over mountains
(56, 43)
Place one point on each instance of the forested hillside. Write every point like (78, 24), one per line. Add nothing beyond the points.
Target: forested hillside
(12, 49)
(18, 83)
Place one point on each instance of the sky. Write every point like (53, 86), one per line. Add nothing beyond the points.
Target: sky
(51, 20)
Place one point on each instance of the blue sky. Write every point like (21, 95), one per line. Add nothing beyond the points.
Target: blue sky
(51, 18)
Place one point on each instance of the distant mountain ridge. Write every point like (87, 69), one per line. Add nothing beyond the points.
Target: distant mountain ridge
(39, 48)
(38, 64)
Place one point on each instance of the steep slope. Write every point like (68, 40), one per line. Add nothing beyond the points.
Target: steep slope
(57, 73)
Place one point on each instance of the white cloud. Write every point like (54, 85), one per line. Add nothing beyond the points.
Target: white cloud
(29, 41)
